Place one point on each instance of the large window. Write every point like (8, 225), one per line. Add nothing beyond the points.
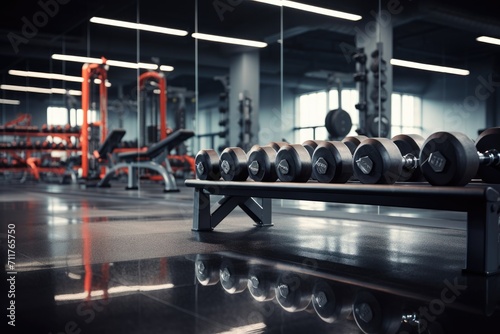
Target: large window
(312, 110)
(59, 116)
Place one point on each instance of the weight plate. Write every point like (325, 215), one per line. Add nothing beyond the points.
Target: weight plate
(293, 293)
(311, 145)
(233, 164)
(410, 144)
(489, 140)
(276, 145)
(372, 124)
(374, 316)
(352, 142)
(207, 270)
(261, 284)
(233, 276)
(332, 163)
(377, 161)
(338, 123)
(207, 165)
(449, 159)
(293, 163)
(330, 301)
(261, 164)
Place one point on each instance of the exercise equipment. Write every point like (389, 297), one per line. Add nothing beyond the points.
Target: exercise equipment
(338, 123)
(374, 123)
(150, 159)
(207, 269)
(261, 162)
(331, 301)
(293, 163)
(233, 164)
(293, 292)
(233, 276)
(332, 162)
(207, 165)
(381, 160)
(452, 159)
(352, 142)
(261, 283)
(374, 314)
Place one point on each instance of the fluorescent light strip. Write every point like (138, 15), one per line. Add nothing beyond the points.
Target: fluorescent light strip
(12, 102)
(52, 76)
(229, 40)
(117, 63)
(490, 40)
(428, 67)
(138, 26)
(40, 90)
(312, 9)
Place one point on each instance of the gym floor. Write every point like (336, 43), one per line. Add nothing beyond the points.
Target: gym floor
(107, 260)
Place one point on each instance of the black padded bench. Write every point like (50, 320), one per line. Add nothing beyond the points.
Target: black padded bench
(481, 203)
(149, 159)
(111, 142)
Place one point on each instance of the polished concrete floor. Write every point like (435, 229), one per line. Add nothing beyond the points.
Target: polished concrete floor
(93, 260)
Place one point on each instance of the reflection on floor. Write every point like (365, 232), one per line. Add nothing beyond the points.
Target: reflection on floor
(114, 261)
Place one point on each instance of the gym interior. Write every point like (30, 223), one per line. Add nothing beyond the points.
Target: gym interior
(250, 166)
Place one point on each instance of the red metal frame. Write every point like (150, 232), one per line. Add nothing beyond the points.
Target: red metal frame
(162, 82)
(89, 71)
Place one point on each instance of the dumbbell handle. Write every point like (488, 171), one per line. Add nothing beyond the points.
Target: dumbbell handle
(410, 162)
(489, 158)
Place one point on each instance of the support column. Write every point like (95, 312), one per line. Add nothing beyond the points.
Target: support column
(244, 79)
(372, 35)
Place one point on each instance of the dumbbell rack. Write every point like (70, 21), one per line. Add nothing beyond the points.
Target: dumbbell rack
(29, 149)
(481, 202)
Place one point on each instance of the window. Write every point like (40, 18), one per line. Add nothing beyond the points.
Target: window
(59, 116)
(312, 108)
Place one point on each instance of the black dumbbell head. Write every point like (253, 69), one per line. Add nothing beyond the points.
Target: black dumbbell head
(261, 164)
(489, 140)
(332, 163)
(233, 164)
(207, 165)
(352, 142)
(449, 159)
(293, 163)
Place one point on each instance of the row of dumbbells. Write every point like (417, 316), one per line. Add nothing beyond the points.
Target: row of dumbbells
(60, 129)
(40, 145)
(443, 159)
(19, 128)
(12, 163)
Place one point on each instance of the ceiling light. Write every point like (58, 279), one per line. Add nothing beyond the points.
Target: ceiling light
(117, 63)
(40, 90)
(490, 40)
(313, 9)
(52, 76)
(229, 40)
(7, 101)
(138, 26)
(428, 67)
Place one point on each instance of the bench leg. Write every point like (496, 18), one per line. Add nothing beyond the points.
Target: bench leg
(260, 213)
(483, 240)
(201, 216)
(133, 178)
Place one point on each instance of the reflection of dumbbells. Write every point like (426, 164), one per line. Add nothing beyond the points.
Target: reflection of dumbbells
(376, 313)
(332, 161)
(261, 162)
(206, 269)
(293, 292)
(261, 283)
(331, 301)
(233, 276)
(386, 161)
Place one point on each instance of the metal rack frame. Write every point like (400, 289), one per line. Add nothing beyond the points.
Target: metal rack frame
(481, 202)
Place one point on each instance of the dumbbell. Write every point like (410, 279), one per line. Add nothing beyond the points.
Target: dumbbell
(37, 145)
(451, 158)
(261, 162)
(207, 165)
(375, 314)
(67, 128)
(293, 292)
(386, 161)
(331, 301)
(45, 128)
(51, 128)
(233, 276)
(58, 129)
(293, 161)
(261, 283)
(206, 269)
(332, 160)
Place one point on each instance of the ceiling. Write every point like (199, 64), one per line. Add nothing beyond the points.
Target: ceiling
(440, 32)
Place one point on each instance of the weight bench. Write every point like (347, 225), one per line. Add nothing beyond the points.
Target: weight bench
(481, 202)
(106, 149)
(150, 159)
